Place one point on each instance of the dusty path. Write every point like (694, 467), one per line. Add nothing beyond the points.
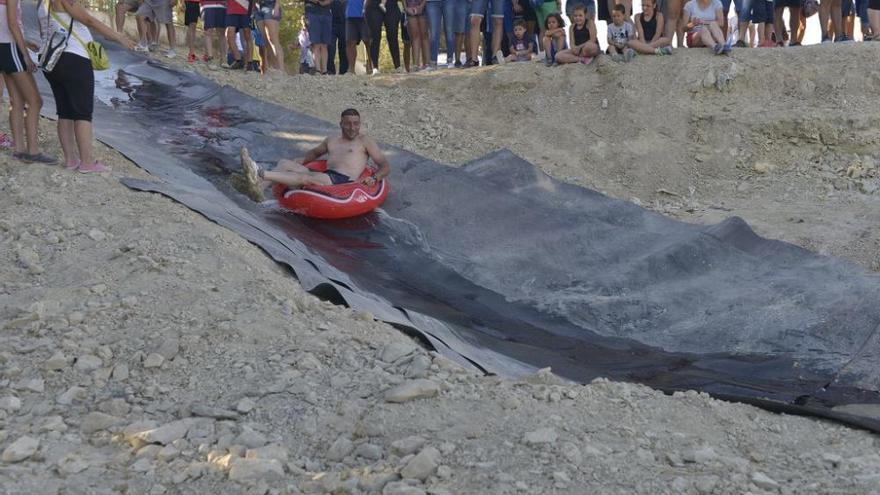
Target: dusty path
(144, 349)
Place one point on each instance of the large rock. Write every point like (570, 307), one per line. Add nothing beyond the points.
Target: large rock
(396, 350)
(408, 445)
(10, 403)
(253, 470)
(411, 390)
(164, 434)
(97, 421)
(541, 436)
(422, 465)
(21, 449)
(340, 449)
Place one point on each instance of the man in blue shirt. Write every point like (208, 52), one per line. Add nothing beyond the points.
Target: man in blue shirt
(356, 30)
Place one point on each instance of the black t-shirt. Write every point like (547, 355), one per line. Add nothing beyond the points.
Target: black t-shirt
(314, 8)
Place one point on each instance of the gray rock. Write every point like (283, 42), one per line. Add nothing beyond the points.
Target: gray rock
(32, 384)
(541, 436)
(164, 434)
(21, 449)
(422, 465)
(369, 451)
(271, 451)
(153, 360)
(115, 407)
(339, 449)
(57, 362)
(572, 453)
(169, 348)
(833, 460)
(401, 488)
(88, 362)
(71, 463)
(245, 405)
(10, 403)
(418, 367)
(413, 389)
(96, 421)
(73, 394)
(395, 350)
(212, 412)
(120, 372)
(250, 438)
(700, 455)
(167, 453)
(408, 445)
(763, 481)
(53, 423)
(253, 470)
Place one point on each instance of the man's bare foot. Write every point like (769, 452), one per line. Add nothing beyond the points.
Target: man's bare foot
(252, 177)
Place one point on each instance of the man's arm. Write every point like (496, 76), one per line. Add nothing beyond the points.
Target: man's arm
(315, 153)
(374, 152)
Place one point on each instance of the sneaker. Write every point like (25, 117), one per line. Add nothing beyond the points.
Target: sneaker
(191, 58)
(399, 70)
(252, 175)
(548, 62)
(826, 40)
(72, 164)
(794, 43)
(472, 63)
(629, 54)
(35, 158)
(741, 44)
(382, 7)
(5, 141)
(451, 65)
(170, 53)
(726, 49)
(667, 50)
(206, 58)
(457, 64)
(153, 47)
(140, 47)
(499, 57)
(95, 168)
(717, 48)
(842, 39)
(237, 65)
(376, 71)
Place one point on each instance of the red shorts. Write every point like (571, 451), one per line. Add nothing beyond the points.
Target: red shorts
(690, 38)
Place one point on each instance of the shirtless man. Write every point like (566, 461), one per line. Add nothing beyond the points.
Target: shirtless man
(346, 159)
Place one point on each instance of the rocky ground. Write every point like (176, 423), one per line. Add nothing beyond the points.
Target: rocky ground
(144, 349)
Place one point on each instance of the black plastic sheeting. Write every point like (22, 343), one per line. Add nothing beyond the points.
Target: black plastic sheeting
(501, 267)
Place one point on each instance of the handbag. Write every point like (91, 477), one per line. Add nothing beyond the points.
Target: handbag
(97, 55)
(54, 45)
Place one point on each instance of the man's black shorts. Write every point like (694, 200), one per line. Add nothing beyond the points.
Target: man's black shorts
(356, 30)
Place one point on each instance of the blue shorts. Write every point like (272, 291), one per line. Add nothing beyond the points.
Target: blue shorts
(214, 17)
(461, 10)
(762, 12)
(478, 7)
(725, 4)
(781, 4)
(320, 28)
(337, 178)
(264, 13)
(847, 8)
(238, 21)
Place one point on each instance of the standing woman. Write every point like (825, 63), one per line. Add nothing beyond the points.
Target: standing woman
(390, 17)
(17, 67)
(417, 26)
(72, 79)
(268, 17)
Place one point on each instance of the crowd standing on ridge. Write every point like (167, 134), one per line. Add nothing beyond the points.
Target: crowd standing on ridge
(475, 32)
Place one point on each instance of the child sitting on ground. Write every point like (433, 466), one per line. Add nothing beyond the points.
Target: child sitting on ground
(649, 32)
(583, 36)
(620, 32)
(520, 46)
(554, 37)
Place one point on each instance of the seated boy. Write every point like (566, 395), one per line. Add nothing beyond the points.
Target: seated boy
(619, 33)
(521, 47)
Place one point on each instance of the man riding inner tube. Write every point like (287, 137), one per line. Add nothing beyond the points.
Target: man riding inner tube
(347, 157)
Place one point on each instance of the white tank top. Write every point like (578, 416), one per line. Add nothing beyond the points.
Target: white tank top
(5, 34)
(74, 45)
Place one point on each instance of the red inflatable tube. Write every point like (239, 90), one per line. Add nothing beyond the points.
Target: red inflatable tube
(332, 202)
